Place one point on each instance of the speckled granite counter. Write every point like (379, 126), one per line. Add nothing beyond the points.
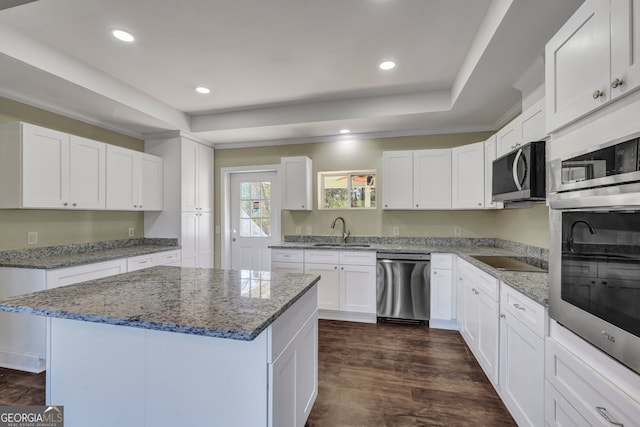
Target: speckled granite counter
(216, 303)
(53, 257)
(533, 285)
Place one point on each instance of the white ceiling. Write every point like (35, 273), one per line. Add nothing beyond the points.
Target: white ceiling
(278, 70)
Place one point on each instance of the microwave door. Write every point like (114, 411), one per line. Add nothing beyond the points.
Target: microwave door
(519, 170)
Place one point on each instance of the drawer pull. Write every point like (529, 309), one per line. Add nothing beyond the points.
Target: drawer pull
(519, 307)
(605, 414)
(143, 262)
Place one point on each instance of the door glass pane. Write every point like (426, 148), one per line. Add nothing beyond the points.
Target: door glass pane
(255, 209)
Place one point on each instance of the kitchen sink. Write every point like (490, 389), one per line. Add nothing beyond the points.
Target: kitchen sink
(512, 263)
(340, 245)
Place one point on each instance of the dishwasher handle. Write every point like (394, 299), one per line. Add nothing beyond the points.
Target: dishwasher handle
(400, 257)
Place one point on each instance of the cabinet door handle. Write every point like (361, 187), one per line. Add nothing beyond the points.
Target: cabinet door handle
(519, 307)
(502, 316)
(435, 272)
(335, 268)
(617, 82)
(605, 414)
(74, 204)
(65, 204)
(597, 94)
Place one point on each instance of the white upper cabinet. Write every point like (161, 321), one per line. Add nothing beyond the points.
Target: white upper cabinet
(134, 180)
(432, 179)
(296, 183)
(625, 46)
(532, 123)
(197, 176)
(510, 136)
(591, 60)
(397, 179)
(419, 179)
(468, 176)
(56, 170)
(87, 173)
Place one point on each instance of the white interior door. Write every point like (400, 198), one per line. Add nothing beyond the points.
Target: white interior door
(255, 219)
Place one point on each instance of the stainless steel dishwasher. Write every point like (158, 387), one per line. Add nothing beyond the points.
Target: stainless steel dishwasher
(403, 291)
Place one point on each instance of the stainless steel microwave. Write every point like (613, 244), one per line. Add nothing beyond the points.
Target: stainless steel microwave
(520, 174)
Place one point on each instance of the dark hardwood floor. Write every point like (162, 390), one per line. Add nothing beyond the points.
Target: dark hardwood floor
(400, 375)
(370, 375)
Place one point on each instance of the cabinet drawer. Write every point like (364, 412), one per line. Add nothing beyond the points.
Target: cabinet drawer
(358, 257)
(287, 267)
(322, 257)
(591, 394)
(82, 273)
(489, 284)
(558, 412)
(287, 255)
(142, 261)
(444, 261)
(529, 312)
(285, 327)
(169, 257)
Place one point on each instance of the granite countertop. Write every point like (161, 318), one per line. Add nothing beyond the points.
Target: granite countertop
(532, 284)
(217, 303)
(52, 257)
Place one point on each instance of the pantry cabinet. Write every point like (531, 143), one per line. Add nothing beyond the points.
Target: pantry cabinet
(296, 183)
(467, 184)
(134, 180)
(188, 197)
(197, 176)
(579, 80)
(197, 239)
(46, 169)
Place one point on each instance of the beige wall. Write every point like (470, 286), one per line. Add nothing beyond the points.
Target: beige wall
(522, 225)
(56, 227)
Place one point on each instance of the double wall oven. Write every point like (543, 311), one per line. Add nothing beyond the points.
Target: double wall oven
(594, 248)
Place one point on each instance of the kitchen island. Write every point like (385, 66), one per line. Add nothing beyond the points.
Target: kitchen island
(172, 346)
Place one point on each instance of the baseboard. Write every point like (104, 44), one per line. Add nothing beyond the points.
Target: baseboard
(22, 362)
(347, 316)
(443, 324)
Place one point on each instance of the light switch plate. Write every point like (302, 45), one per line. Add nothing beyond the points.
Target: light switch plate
(396, 230)
(32, 237)
(131, 231)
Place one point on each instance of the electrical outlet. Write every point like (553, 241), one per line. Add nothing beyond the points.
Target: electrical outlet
(457, 230)
(32, 237)
(298, 230)
(131, 231)
(308, 230)
(396, 230)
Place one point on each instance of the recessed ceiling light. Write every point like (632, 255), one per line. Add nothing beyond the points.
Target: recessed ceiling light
(387, 65)
(122, 35)
(345, 131)
(202, 89)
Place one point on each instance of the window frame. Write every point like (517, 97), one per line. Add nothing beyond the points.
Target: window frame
(350, 173)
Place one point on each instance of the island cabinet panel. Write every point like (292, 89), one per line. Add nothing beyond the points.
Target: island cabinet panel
(162, 378)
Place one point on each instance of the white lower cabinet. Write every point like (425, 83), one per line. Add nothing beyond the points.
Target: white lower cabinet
(22, 336)
(586, 387)
(480, 316)
(347, 288)
(522, 356)
(287, 260)
(441, 314)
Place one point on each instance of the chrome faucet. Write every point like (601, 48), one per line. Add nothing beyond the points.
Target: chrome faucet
(570, 236)
(345, 233)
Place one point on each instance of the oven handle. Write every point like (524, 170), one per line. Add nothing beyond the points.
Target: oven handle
(514, 170)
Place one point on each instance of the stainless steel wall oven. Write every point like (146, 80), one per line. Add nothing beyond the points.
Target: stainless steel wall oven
(594, 248)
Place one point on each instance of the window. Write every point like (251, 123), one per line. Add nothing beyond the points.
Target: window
(347, 190)
(255, 209)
